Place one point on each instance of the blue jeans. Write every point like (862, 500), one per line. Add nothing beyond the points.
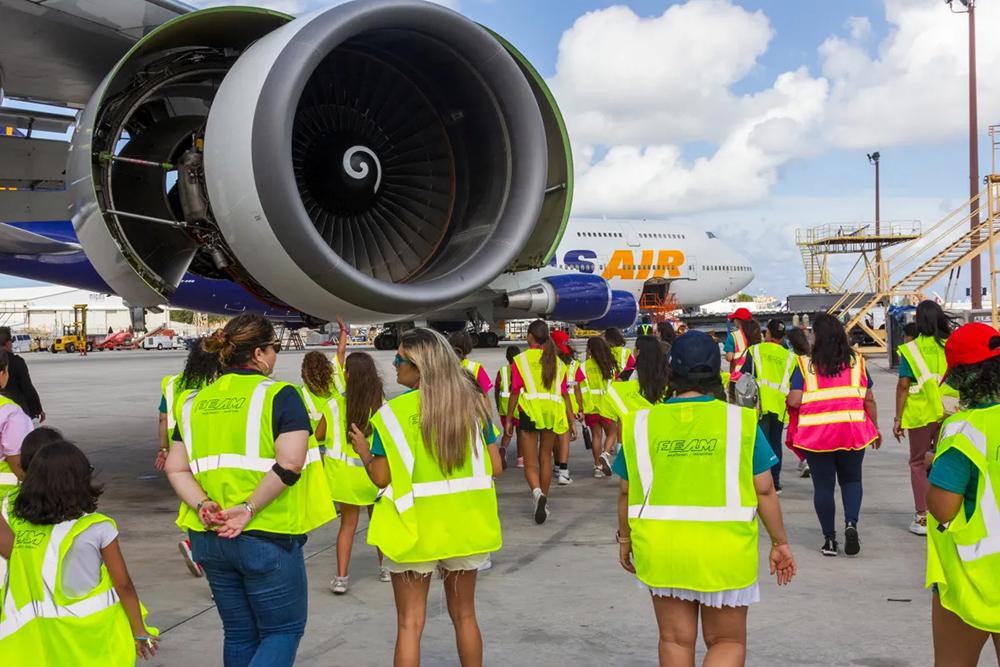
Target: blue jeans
(260, 590)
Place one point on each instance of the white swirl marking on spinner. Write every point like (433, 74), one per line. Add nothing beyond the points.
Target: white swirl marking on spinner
(361, 171)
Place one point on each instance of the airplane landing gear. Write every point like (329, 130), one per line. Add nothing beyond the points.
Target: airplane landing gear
(387, 340)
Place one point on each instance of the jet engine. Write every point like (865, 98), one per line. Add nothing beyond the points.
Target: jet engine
(570, 297)
(380, 158)
(622, 314)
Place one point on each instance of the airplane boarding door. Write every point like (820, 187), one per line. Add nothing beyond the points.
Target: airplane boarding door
(630, 235)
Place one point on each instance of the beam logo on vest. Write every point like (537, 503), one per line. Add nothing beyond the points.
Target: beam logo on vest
(692, 447)
(217, 405)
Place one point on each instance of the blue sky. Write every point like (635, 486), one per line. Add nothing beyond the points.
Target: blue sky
(752, 117)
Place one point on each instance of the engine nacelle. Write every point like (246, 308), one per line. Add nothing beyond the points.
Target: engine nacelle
(572, 297)
(622, 314)
(379, 158)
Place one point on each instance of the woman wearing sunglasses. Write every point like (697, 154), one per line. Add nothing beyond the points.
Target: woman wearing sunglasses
(251, 488)
(433, 449)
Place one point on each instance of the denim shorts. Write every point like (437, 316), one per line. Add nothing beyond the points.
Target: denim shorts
(447, 564)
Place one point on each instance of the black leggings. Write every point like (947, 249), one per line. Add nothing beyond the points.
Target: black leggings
(827, 469)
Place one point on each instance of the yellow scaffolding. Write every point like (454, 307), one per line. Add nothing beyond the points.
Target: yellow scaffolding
(816, 244)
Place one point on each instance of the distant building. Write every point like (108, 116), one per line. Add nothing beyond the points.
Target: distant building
(44, 310)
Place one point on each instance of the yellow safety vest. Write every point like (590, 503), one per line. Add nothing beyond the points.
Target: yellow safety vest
(543, 405)
(339, 378)
(772, 367)
(571, 382)
(227, 434)
(692, 508)
(504, 402)
(167, 390)
(346, 476)
(597, 389)
(424, 514)
(624, 397)
(40, 623)
(8, 480)
(964, 559)
(923, 402)
(622, 354)
(473, 367)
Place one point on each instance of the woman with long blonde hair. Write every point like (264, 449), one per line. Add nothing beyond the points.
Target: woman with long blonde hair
(433, 449)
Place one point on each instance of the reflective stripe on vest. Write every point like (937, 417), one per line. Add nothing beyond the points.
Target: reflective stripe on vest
(8, 479)
(15, 619)
(505, 382)
(733, 510)
(623, 354)
(533, 394)
(990, 544)
(168, 395)
(480, 479)
(251, 458)
(758, 367)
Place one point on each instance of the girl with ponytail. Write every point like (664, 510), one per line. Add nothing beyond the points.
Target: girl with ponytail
(539, 400)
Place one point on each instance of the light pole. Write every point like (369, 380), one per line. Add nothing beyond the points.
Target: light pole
(976, 282)
(873, 158)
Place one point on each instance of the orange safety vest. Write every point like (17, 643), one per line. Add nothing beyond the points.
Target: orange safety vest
(832, 415)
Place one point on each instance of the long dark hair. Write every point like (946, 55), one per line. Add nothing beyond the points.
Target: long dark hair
(539, 330)
(58, 486)
(751, 329)
(977, 384)
(800, 343)
(710, 386)
(831, 351)
(651, 368)
(461, 342)
(236, 343)
(599, 350)
(614, 337)
(933, 321)
(666, 331)
(364, 392)
(200, 369)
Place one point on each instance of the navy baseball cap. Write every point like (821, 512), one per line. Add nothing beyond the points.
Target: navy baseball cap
(695, 355)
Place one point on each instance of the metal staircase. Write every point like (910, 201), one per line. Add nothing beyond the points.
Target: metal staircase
(920, 263)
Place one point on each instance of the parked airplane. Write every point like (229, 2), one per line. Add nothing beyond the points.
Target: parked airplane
(409, 166)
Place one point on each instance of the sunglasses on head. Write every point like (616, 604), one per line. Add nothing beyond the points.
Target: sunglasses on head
(399, 360)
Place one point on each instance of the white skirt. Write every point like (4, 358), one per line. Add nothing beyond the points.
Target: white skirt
(734, 597)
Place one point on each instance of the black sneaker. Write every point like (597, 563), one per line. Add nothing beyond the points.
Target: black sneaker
(541, 512)
(829, 547)
(852, 544)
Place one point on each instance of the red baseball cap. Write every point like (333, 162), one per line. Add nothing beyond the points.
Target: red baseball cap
(971, 343)
(561, 339)
(741, 314)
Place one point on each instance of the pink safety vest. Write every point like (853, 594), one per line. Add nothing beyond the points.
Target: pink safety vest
(832, 415)
(740, 348)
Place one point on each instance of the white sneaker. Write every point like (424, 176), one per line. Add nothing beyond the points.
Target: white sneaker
(804, 469)
(564, 478)
(606, 464)
(339, 585)
(384, 575)
(185, 548)
(520, 462)
(487, 564)
(598, 473)
(919, 524)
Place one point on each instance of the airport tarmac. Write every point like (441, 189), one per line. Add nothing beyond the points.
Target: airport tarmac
(556, 594)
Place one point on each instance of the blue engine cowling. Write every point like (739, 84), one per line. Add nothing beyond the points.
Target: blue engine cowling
(579, 297)
(624, 309)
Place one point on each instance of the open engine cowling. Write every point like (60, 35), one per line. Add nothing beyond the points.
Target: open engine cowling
(381, 158)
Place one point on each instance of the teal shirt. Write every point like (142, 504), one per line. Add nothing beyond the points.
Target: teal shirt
(730, 343)
(763, 456)
(954, 472)
(904, 369)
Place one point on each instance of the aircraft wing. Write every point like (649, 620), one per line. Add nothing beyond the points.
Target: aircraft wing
(58, 51)
(14, 241)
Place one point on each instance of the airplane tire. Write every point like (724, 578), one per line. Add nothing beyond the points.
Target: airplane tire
(489, 339)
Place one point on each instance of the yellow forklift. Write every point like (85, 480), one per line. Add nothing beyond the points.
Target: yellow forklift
(74, 336)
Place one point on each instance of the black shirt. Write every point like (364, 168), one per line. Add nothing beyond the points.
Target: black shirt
(19, 388)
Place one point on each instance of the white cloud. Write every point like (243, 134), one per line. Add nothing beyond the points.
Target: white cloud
(859, 27)
(915, 87)
(642, 87)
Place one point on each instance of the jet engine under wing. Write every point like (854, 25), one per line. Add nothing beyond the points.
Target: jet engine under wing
(14, 241)
(58, 51)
